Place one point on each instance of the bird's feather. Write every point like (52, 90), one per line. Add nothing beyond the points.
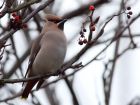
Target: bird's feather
(35, 49)
(28, 88)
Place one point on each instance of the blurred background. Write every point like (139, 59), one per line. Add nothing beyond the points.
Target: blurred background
(110, 62)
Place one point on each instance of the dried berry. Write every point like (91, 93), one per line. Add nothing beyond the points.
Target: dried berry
(128, 8)
(91, 24)
(24, 25)
(85, 41)
(128, 16)
(80, 42)
(130, 12)
(92, 28)
(84, 30)
(81, 33)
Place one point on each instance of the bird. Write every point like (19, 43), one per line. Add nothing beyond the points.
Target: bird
(47, 52)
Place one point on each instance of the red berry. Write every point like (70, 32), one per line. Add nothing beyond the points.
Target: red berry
(17, 18)
(91, 8)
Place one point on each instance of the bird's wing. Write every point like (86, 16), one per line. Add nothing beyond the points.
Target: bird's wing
(34, 50)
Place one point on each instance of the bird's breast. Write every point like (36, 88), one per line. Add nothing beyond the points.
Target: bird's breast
(50, 57)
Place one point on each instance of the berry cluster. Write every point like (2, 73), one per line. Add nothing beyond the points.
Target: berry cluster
(82, 39)
(16, 22)
(129, 13)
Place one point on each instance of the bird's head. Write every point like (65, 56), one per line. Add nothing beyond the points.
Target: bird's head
(55, 20)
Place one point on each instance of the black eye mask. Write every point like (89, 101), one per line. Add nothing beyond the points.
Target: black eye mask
(55, 21)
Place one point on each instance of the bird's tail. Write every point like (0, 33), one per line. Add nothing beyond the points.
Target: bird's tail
(28, 88)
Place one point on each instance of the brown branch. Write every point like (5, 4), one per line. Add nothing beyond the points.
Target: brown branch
(114, 38)
(16, 65)
(5, 37)
(31, 78)
(2, 4)
(3, 81)
(9, 3)
(71, 90)
(22, 6)
(84, 8)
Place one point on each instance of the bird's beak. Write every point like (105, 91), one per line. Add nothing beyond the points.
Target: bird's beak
(61, 24)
